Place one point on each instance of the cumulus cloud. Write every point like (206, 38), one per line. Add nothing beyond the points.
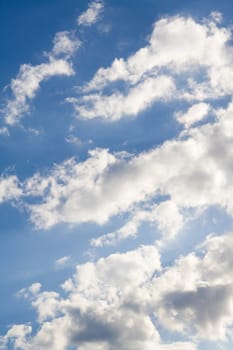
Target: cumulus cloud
(117, 105)
(196, 57)
(196, 293)
(193, 171)
(104, 309)
(176, 43)
(107, 309)
(92, 14)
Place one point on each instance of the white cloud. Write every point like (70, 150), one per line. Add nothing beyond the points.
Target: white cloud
(176, 43)
(27, 83)
(4, 131)
(9, 188)
(121, 301)
(105, 309)
(166, 215)
(117, 105)
(65, 43)
(73, 140)
(196, 57)
(16, 334)
(194, 172)
(30, 291)
(217, 16)
(92, 14)
(194, 114)
(62, 261)
(196, 294)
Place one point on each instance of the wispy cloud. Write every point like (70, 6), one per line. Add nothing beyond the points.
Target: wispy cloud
(28, 81)
(92, 14)
(61, 262)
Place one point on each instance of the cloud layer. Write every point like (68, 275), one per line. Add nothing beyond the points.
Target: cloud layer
(168, 67)
(129, 300)
(194, 171)
(107, 309)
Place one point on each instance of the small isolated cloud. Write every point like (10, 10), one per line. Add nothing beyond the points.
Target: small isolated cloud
(61, 262)
(75, 140)
(4, 131)
(92, 14)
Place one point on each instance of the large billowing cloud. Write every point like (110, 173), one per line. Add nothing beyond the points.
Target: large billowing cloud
(195, 171)
(179, 47)
(104, 309)
(118, 302)
(196, 293)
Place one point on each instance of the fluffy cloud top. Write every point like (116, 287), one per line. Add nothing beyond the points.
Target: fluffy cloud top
(195, 172)
(179, 47)
(104, 309)
(107, 309)
(117, 105)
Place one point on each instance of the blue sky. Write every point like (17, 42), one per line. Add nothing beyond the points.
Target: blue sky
(116, 164)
